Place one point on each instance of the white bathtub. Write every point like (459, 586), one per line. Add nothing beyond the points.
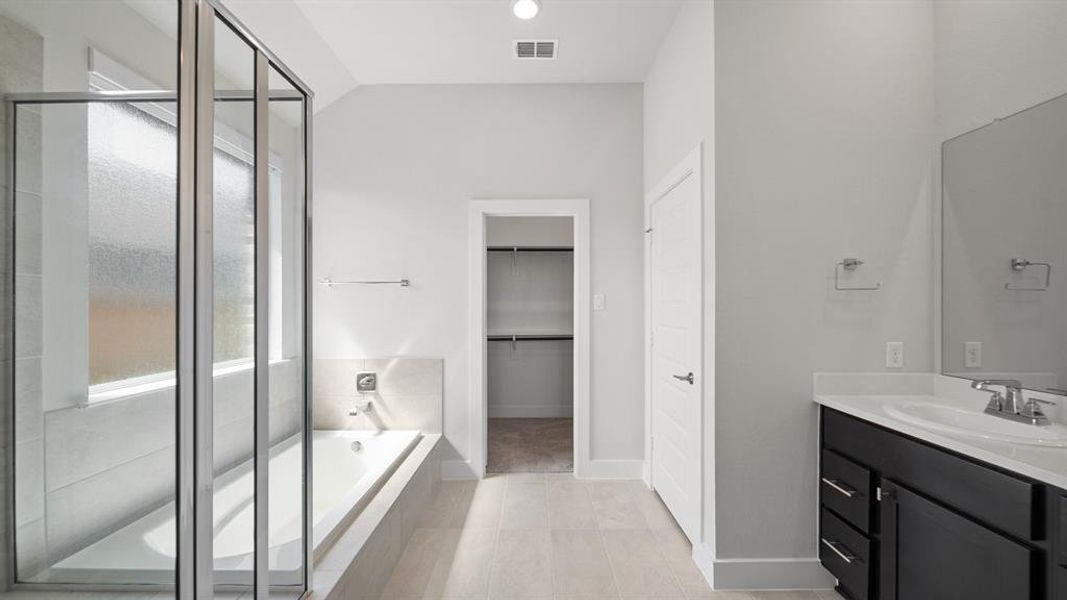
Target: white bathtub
(344, 481)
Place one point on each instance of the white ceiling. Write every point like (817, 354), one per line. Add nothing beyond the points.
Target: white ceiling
(335, 45)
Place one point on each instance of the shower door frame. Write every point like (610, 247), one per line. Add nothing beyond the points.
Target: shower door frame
(194, 369)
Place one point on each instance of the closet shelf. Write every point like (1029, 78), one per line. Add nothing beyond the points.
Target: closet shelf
(530, 249)
(529, 337)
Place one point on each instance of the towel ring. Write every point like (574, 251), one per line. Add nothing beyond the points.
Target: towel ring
(1020, 264)
(850, 265)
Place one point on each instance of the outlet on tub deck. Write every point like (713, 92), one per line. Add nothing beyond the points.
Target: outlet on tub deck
(894, 355)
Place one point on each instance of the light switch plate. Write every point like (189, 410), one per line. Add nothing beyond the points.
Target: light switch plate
(894, 355)
(598, 302)
(972, 355)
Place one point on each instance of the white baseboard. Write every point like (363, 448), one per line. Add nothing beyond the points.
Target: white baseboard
(705, 560)
(457, 469)
(612, 469)
(531, 412)
(761, 573)
(596, 469)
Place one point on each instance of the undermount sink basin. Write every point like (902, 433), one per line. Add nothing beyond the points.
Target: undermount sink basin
(978, 424)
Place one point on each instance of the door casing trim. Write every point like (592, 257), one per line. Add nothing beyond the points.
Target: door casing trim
(479, 211)
(690, 166)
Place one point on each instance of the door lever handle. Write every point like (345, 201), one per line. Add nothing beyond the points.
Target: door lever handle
(688, 377)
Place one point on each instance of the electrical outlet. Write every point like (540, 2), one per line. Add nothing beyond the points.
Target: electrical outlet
(598, 302)
(894, 355)
(972, 354)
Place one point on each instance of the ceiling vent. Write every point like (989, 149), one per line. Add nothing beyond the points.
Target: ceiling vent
(535, 49)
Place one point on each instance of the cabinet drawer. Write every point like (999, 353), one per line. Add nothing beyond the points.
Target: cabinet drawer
(845, 488)
(982, 492)
(845, 553)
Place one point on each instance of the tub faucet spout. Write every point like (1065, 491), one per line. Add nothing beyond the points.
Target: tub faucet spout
(361, 408)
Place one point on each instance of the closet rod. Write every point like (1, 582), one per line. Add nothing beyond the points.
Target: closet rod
(530, 249)
(528, 338)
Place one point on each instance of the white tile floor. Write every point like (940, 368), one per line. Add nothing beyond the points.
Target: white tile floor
(549, 536)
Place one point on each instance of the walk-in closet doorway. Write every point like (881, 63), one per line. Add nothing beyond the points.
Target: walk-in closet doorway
(530, 344)
(529, 336)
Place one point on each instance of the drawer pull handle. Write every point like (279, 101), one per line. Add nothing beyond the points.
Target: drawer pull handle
(840, 487)
(844, 554)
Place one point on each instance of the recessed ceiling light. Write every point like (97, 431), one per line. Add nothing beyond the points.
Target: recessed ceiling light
(526, 9)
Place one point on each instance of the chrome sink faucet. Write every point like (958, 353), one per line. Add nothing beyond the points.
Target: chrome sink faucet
(1011, 405)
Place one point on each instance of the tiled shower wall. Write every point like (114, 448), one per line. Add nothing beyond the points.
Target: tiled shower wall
(110, 464)
(410, 393)
(21, 69)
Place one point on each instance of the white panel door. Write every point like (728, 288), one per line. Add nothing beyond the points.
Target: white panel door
(675, 282)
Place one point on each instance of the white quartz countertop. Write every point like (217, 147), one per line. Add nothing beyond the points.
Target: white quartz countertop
(861, 399)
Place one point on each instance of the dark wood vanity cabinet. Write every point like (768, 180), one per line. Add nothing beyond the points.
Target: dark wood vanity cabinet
(901, 519)
(930, 551)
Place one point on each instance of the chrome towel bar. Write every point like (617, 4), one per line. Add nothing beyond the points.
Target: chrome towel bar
(330, 283)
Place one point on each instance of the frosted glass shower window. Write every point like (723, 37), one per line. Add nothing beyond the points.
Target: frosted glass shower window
(235, 275)
(132, 253)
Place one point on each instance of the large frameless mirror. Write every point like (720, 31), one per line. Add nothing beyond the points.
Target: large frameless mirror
(1004, 207)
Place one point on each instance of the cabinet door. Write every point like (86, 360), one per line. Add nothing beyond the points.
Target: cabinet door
(932, 553)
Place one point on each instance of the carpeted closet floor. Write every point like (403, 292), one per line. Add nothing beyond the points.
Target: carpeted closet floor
(531, 445)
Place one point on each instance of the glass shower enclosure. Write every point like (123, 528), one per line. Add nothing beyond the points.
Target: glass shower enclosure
(157, 225)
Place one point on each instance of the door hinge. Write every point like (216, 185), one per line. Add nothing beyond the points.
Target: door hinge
(652, 339)
(878, 493)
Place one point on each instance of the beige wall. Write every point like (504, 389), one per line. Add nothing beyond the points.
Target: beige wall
(396, 168)
(824, 115)
(679, 115)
